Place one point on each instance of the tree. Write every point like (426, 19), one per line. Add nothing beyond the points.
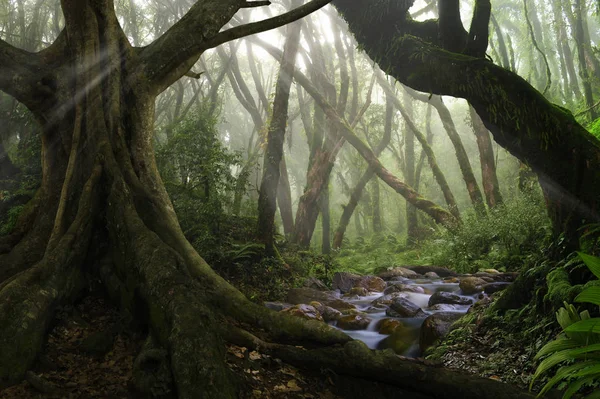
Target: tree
(103, 201)
(431, 57)
(267, 201)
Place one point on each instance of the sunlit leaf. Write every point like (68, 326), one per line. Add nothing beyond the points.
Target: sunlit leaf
(589, 325)
(590, 295)
(592, 262)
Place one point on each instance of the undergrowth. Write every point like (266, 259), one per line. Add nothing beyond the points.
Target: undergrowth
(501, 240)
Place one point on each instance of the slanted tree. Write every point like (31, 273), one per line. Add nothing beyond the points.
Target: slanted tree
(565, 156)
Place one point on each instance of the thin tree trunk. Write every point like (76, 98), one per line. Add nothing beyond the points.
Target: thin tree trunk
(489, 179)
(284, 199)
(357, 192)
(461, 155)
(267, 200)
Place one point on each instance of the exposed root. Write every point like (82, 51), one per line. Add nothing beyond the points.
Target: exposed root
(28, 301)
(356, 360)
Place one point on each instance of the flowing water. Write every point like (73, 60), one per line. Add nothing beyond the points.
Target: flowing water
(374, 339)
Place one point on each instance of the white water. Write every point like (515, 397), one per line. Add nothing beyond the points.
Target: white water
(373, 339)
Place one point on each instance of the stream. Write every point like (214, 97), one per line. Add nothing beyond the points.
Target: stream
(376, 340)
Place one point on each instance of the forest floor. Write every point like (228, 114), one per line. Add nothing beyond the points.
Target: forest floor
(90, 354)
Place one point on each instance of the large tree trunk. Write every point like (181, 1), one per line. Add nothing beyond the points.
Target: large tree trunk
(102, 198)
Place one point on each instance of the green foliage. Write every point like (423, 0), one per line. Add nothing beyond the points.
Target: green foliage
(11, 219)
(594, 128)
(196, 170)
(366, 255)
(578, 348)
(501, 240)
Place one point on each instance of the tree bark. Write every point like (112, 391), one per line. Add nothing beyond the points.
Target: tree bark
(284, 199)
(489, 179)
(267, 200)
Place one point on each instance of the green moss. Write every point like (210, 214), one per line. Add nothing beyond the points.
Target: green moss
(560, 289)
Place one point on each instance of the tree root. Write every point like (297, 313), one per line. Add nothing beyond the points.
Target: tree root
(357, 360)
(28, 301)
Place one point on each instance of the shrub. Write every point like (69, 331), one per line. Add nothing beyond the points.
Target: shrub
(501, 239)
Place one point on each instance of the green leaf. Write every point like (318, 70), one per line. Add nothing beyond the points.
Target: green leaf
(589, 326)
(556, 346)
(559, 357)
(576, 386)
(592, 262)
(590, 295)
(563, 373)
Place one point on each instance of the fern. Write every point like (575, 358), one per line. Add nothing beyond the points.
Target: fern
(578, 346)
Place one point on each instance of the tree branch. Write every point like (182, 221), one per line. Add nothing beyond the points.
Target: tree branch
(19, 71)
(267, 24)
(174, 53)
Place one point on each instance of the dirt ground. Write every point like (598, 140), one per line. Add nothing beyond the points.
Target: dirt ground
(90, 354)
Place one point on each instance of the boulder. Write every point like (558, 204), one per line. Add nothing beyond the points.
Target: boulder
(371, 283)
(402, 307)
(440, 271)
(353, 322)
(387, 299)
(397, 272)
(492, 288)
(315, 283)
(278, 306)
(303, 311)
(307, 295)
(358, 291)
(328, 313)
(388, 326)
(432, 275)
(396, 287)
(436, 327)
(451, 280)
(444, 307)
(400, 340)
(491, 271)
(471, 285)
(345, 281)
(448, 298)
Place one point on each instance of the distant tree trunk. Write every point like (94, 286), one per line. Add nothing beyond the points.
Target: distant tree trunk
(358, 190)
(429, 140)
(439, 214)
(325, 221)
(489, 179)
(431, 158)
(324, 146)
(284, 199)
(376, 215)
(579, 36)
(461, 155)
(267, 200)
(412, 221)
(501, 44)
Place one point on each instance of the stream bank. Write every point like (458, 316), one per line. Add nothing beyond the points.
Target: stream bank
(406, 309)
